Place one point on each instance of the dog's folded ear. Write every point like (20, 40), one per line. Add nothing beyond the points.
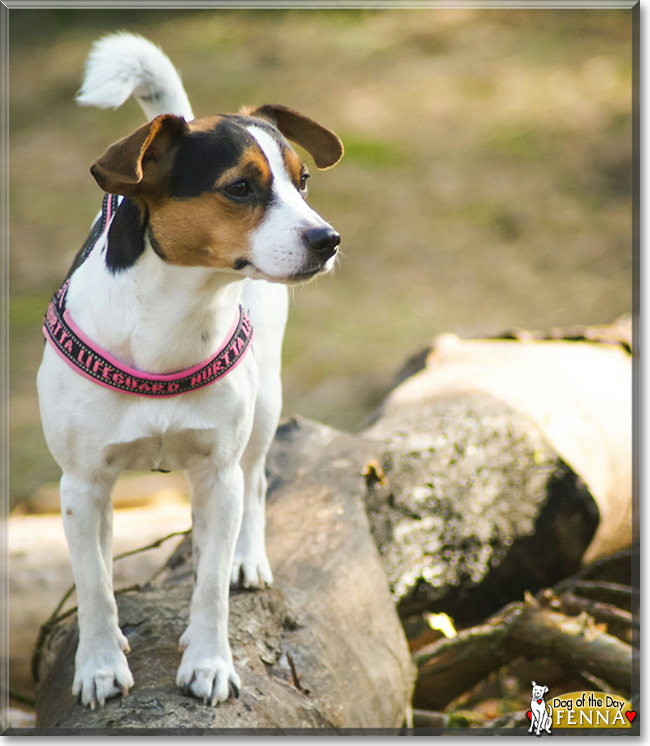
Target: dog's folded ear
(322, 144)
(138, 164)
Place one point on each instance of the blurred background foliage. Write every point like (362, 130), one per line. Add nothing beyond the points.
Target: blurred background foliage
(486, 183)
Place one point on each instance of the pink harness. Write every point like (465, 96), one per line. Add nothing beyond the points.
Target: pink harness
(90, 361)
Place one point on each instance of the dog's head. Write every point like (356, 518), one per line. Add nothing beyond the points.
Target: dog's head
(538, 691)
(228, 191)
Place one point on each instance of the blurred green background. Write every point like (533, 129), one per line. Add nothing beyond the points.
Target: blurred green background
(486, 183)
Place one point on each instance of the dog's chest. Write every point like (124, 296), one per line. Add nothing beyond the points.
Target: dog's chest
(166, 451)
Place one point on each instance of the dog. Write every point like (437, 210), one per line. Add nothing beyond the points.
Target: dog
(540, 717)
(205, 224)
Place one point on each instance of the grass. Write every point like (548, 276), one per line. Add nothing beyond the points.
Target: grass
(486, 183)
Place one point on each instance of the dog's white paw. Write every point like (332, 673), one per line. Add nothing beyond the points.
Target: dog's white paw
(211, 678)
(251, 571)
(102, 673)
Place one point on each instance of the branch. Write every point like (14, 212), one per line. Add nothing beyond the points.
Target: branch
(450, 667)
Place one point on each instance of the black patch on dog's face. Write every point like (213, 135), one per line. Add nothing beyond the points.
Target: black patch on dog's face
(203, 156)
(212, 161)
(125, 237)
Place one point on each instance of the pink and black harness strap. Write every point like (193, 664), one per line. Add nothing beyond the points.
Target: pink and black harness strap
(90, 361)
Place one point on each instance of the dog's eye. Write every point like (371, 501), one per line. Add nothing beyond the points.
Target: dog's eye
(239, 188)
(303, 182)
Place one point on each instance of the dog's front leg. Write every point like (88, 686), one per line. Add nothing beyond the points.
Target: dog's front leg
(206, 669)
(101, 670)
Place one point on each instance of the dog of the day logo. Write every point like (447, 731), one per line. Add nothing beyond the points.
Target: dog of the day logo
(578, 710)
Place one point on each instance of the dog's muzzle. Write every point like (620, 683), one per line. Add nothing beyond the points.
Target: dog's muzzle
(323, 242)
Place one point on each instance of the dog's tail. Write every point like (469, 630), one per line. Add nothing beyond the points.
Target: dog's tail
(123, 64)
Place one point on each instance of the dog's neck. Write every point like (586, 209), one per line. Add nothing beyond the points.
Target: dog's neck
(154, 316)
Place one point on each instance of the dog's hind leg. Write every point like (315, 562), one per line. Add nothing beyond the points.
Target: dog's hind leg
(267, 304)
(206, 670)
(101, 669)
(250, 566)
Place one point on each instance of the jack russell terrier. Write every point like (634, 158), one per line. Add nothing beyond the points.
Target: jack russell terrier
(149, 361)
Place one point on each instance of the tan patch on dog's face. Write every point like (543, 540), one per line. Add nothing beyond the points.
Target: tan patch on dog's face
(295, 167)
(204, 124)
(207, 231)
(212, 228)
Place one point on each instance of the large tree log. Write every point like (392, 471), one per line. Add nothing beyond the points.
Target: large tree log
(324, 647)
(579, 395)
(505, 464)
(474, 508)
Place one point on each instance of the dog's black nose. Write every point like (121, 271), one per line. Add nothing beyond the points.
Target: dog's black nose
(323, 241)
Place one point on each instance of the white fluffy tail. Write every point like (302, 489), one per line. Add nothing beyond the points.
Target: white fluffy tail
(121, 65)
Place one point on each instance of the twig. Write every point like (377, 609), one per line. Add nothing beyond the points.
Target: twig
(575, 641)
(619, 622)
(449, 667)
(294, 675)
(24, 699)
(153, 545)
(490, 631)
(606, 592)
(598, 684)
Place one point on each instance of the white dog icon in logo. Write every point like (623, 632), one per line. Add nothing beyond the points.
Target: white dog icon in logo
(540, 717)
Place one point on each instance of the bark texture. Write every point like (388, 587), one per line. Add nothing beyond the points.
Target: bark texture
(474, 506)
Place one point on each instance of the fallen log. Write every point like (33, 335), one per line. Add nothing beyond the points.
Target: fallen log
(323, 648)
(506, 463)
(579, 395)
(474, 507)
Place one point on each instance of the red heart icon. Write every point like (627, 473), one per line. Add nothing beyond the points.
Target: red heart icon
(630, 715)
(530, 715)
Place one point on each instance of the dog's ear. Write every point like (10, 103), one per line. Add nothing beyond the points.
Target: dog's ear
(137, 164)
(533, 683)
(322, 144)
(545, 688)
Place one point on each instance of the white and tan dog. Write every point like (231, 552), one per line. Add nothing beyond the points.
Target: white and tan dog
(212, 215)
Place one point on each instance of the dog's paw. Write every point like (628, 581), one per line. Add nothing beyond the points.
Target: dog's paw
(123, 642)
(101, 675)
(211, 678)
(251, 571)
